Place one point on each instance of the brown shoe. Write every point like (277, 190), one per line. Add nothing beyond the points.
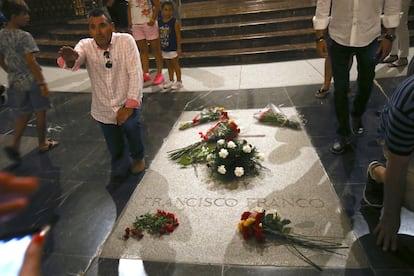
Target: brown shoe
(137, 167)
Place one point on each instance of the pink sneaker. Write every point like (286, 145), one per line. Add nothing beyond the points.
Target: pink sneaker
(147, 77)
(159, 78)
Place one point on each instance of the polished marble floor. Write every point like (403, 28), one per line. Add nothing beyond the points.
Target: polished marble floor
(77, 195)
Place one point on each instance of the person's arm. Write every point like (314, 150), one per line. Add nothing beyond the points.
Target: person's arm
(135, 82)
(394, 189)
(320, 25)
(390, 20)
(3, 63)
(37, 73)
(129, 14)
(155, 12)
(178, 34)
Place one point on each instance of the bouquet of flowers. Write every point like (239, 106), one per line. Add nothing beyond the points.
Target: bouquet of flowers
(160, 223)
(272, 114)
(197, 153)
(206, 115)
(270, 226)
(234, 159)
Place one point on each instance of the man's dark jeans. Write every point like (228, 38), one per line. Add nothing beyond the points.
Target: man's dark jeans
(366, 61)
(119, 139)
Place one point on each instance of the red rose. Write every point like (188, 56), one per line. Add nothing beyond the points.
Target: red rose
(245, 215)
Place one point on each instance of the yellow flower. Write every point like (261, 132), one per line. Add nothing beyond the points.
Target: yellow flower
(240, 225)
(249, 222)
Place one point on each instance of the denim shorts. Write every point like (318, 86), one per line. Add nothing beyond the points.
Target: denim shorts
(28, 101)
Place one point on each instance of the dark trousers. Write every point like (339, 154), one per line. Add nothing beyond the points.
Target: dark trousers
(120, 139)
(366, 61)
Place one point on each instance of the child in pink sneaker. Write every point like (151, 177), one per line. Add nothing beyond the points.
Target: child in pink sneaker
(142, 16)
(170, 37)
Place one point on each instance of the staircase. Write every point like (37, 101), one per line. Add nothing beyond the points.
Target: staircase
(218, 32)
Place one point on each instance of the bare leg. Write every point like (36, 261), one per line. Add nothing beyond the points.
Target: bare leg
(176, 68)
(328, 74)
(144, 54)
(19, 129)
(41, 128)
(156, 51)
(170, 69)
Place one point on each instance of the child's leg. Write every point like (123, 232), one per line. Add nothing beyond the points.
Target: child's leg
(156, 51)
(176, 67)
(41, 128)
(144, 54)
(170, 69)
(19, 129)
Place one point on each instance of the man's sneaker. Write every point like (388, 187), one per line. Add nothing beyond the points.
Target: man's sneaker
(147, 77)
(357, 127)
(159, 78)
(340, 145)
(168, 85)
(177, 85)
(374, 191)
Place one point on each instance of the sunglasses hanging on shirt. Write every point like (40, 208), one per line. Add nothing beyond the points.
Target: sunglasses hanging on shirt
(107, 56)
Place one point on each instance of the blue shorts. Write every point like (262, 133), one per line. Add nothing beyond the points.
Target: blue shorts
(28, 101)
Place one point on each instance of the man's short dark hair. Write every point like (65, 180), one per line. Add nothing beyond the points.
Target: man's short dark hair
(97, 12)
(11, 8)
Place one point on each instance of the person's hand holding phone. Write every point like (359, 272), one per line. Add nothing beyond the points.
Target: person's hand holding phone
(14, 197)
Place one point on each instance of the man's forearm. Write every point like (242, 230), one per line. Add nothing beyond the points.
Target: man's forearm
(395, 183)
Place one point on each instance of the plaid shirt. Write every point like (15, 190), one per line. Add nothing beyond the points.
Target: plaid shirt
(112, 88)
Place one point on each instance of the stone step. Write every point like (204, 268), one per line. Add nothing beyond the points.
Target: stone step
(252, 26)
(253, 40)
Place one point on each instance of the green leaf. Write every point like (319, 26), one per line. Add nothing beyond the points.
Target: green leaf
(185, 160)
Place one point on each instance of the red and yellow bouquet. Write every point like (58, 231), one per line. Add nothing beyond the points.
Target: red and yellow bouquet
(267, 227)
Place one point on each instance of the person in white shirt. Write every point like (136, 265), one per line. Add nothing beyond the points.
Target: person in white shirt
(114, 68)
(354, 27)
(142, 17)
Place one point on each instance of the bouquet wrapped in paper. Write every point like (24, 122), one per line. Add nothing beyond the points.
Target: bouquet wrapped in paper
(272, 114)
(206, 115)
(225, 129)
(265, 227)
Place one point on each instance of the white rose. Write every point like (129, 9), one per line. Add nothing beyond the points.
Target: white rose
(221, 169)
(223, 153)
(247, 149)
(239, 171)
(220, 142)
(210, 157)
(231, 145)
(260, 156)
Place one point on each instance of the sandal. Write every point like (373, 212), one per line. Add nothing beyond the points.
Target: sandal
(390, 59)
(12, 154)
(399, 63)
(322, 93)
(51, 144)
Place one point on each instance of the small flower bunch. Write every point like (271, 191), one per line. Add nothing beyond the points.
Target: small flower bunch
(266, 227)
(197, 153)
(206, 115)
(224, 129)
(272, 114)
(160, 223)
(234, 159)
